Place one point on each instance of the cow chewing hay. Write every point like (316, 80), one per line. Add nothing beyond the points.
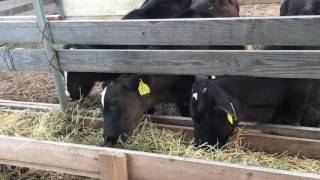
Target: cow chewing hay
(67, 127)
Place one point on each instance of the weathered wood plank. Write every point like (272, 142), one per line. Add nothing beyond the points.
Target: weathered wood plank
(19, 105)
(256, 2)
(218, 31)
(302, 147)
(113, 166)
(273, 129)
(27, 18)
(279, 144)
(83, 160)
(285, 64)
(13, 7)
(24, 59)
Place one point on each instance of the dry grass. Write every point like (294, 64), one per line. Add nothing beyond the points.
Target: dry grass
(67, 127)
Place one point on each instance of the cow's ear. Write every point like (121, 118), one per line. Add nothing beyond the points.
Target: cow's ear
(229, 108)
(284, 8)
(141, 84)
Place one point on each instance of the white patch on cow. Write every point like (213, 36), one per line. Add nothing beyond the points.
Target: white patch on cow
(195, 96)
(103, 94)
(213, 77)
(308, 6)
(204, 90)
(66, 83)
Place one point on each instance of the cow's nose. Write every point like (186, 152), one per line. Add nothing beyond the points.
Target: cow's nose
(110, 141)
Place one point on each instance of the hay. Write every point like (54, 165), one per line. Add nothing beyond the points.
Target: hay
(67, 127)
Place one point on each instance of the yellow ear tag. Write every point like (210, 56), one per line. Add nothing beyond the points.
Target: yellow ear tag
(230, 118)
(143, 88)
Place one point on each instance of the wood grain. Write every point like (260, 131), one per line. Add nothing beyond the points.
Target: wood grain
(285, 64)
(84, 160)
(113, 166)
(217, 31)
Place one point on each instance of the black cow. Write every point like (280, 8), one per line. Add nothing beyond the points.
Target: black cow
(125, 102)
(216, 106)
(124, 106)
(79, 84)
(300, 7)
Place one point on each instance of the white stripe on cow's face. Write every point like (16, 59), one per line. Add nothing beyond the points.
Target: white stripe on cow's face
(308, 6)
(195, 96)
(213, 77)
(66, 83)
(103, 94)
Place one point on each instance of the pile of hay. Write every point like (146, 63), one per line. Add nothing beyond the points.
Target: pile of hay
(67, 127)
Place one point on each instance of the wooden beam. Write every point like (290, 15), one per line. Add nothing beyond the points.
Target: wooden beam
(54, 64)
(27, 18)
(273, 129)
(281, 130)
(216, 31)
(84, 160)
(18, 105)
(113, 166)
(302, 147)
(13, 7)
(24, 59)
(284, 64)
(308, 148)
(258, 2)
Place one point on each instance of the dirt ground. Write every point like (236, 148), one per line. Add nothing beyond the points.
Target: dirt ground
(38, 86)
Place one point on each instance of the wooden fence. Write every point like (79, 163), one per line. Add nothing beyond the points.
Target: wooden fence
(299, 31)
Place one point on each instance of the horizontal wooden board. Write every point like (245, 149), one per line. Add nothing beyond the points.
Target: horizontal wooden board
(19, 105)
(286, 64)
(273, 129)
(308, 148)
(258, 2)
(218, 31)
(301, 147)
(84, 160)
(23, 59)
(282, 130)
(27, 18)
(13, 7)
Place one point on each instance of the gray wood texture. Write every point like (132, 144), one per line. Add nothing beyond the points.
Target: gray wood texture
(289, 64)
(84, 160)
(219, 31)
(253, 2)
(19, 105)
(25, 59)
(54, 64)
(13, 7)
(285, 64)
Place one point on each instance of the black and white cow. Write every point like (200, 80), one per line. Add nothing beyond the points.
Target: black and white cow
(216, 106)
(79, 84)
(124, 106)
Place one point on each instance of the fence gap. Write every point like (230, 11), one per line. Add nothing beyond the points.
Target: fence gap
(51, 53)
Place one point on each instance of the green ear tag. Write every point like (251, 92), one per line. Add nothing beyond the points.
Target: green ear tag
(143, 88)
(230, 118)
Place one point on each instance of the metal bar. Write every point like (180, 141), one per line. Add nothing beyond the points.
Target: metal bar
(51, 54)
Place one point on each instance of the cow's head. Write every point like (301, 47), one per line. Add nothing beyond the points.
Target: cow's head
(213, 113)
(300, 7)
(123, 106)
(156, 9)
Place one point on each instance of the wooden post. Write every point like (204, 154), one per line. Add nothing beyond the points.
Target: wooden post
(113, 166)
(51, 54)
